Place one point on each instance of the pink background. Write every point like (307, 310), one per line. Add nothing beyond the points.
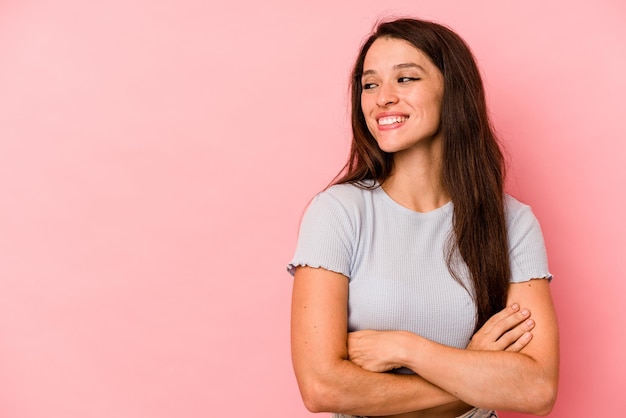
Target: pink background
(156, 157)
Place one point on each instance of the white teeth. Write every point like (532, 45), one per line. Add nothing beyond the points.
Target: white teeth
(390, 120)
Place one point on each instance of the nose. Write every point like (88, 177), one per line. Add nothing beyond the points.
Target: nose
(386, 95)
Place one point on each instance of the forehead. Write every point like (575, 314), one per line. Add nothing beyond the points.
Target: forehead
(388, 52)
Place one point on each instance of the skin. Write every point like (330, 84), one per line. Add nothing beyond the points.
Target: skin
(330, 381)
(504, 366)
(524, 380)
(394, 68)
(399, 79)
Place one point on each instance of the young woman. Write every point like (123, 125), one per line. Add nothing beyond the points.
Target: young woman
(415, 275)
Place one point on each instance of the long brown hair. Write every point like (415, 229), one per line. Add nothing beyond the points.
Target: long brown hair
(473, 165)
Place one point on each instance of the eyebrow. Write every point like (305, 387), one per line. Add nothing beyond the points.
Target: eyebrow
(397, 67)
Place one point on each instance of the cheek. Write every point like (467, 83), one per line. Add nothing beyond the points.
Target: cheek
(365, 104)
(433, 106)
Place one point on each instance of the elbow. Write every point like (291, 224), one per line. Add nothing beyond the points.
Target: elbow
(315, 402)
(542, 408)
(547, 404)
(319, 396)
(312, 397)
(543, 398)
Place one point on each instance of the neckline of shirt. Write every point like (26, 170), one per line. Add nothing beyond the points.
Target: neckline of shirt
(442, 210)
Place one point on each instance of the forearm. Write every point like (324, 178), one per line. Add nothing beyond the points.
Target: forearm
(344, 387)
(328, 381)
(488, 379)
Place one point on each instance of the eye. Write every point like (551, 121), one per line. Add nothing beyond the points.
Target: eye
(407, 79)
(369, 86)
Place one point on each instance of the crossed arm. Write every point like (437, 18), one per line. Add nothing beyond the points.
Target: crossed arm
(499, 370)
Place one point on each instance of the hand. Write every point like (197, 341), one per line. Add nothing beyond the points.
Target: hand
(508, 330)
(374, 350)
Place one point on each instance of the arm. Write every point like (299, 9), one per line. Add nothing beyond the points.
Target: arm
(328, 381)
(523, 381)
(377, 351)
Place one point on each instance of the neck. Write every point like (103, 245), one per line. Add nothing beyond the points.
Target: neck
(415, 181)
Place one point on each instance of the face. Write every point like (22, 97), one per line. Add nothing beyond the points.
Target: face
(402, 94)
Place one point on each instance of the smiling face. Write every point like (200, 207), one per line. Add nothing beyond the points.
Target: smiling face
(402, 95)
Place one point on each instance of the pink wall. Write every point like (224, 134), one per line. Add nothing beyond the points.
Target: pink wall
(156, 156)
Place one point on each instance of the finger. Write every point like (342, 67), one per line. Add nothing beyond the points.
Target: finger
(520, 343)
(503, 314)
(510, 337)
(505, 332)
(496, 318)
(509, 323)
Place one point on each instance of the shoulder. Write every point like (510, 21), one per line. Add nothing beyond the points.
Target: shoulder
(342, 206)
(522, 224)
(512, 205)
(526, 244)
(350, 197)
(517, 213)
(351, 191)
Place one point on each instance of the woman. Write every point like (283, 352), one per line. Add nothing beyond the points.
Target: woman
(415, 261)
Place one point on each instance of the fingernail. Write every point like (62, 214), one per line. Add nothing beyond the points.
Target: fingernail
(525, 312)
(530, 323)
(515, 306)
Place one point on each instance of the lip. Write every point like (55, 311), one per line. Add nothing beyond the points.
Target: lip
(395, 125)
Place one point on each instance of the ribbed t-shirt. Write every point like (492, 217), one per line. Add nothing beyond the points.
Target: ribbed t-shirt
(395, 260)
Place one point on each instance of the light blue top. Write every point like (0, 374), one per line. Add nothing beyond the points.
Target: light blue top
(394, 259)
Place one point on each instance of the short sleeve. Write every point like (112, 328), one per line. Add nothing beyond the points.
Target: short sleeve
(326, 237)
(527, 250)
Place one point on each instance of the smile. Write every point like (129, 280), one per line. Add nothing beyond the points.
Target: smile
(390, 120)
